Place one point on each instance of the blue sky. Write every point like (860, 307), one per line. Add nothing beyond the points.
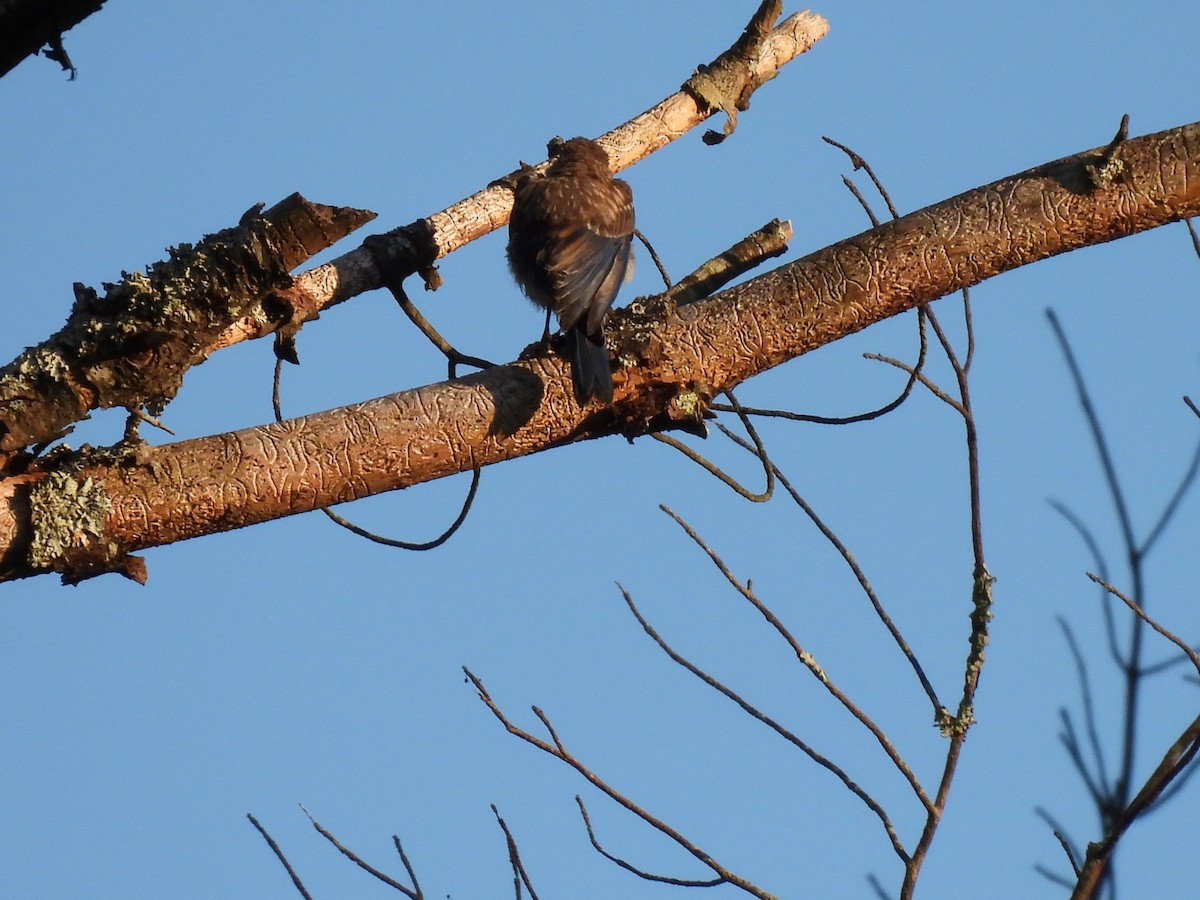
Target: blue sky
(294, 663)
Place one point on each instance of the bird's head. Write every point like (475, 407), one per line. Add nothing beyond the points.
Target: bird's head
(577, 154)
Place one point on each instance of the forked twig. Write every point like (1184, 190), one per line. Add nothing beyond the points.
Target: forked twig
(863, 582)
(555, 748)
(1176, 761)
(629, 867)
(859, 163)
(413, 893)
(520, 876)
(807, 660)
(716, 471)
(1099, 787)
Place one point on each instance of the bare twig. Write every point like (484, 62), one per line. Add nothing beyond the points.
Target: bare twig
(662, 270)
(805, 658)
(556, 748)
(904, 394)
(1093, 546)
(862, 201)
(1131, 660)
(1195, 238)
(454, 358)
(786, 734)
(413, 893)
(864, 583)
(1093, 420)
(408, 867)
(1185, 483)
(859, 163)
(1141, 614)
(276, 405)
(629, 867)
(520, 876)
(1101, 787)
(283, 859)
(411, 545)
(912, 371)
(713, 469)
(877, 887)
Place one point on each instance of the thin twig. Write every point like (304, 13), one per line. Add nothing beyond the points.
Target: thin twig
(933, 388)
(862, 201)
(662, 270)
(969, 325)
(371, 535)
(1110, 625)
(629, 867)
(713, 469)
(805, 658)
(358, 861)
(1093, 420)
(787, 734)
(877, 886)
(283, 859)
(1067, 850)
(864, 583)
(520, 876)
(1195, 237)
(1067, 844)
(859, 163)
(1168, 512)
(1102, 787)
(556, 749)
(1070, 742)
(412, 874)
(411, 545)
(454, 359)
(1131, 669)
(1137, 610)
(859, 417)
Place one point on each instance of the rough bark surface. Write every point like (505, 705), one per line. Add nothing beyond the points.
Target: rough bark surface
(158, 495)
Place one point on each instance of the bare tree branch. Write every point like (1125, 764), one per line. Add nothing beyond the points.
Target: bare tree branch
(279, 855)
(525, 407)
(556, 748)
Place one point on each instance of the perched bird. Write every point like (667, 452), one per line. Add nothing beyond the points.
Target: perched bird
(570, 249)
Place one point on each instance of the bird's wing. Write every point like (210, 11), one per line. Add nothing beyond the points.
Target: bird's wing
(589, 263)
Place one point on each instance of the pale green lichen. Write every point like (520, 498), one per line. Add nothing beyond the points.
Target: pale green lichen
(66, 514)
(688, 403)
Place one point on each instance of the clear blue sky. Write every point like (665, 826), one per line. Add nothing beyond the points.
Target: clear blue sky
(293, 662)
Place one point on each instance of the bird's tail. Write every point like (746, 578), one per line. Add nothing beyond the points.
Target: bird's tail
(590, 370)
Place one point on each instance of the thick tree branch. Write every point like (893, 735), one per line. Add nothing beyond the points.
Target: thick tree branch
(415, 247)
(26, 26)
(163, 494)
(132, 346)
(154, 334)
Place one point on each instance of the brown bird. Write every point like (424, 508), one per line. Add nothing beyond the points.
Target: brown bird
(570, 249)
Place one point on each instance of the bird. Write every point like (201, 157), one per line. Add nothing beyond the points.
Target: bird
(570, 248)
